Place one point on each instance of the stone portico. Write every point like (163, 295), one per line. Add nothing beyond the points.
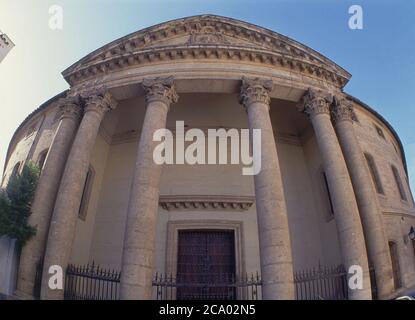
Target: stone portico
(102, 198)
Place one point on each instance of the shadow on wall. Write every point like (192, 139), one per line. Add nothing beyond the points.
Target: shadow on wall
(8, 265)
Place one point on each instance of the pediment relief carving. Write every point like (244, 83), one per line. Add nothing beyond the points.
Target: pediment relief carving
(205, 37)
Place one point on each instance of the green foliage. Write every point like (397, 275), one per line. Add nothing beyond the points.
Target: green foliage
(15, 203)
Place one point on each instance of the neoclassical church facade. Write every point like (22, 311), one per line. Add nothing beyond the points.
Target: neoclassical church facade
(333, 188)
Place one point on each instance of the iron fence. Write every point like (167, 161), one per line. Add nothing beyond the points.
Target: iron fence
(91, 282)
(321, 283)
(326, 283)
(216, 287)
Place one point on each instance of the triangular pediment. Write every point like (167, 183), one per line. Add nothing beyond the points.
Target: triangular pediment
(208, 31)
(206, 35)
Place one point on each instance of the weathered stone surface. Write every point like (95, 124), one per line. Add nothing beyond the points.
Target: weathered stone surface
(140, 232)
(273, 231)
(352, 242)
(65, 213)
(370, 213)
(48, 185)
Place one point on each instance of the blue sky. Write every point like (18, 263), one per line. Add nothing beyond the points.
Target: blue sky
(380, 57)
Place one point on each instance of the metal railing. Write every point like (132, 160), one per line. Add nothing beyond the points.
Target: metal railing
(91, 282)
(218, 287)
(326, 283)
(321, 283)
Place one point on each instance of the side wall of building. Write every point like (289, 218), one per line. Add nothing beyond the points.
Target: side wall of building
(398, 214)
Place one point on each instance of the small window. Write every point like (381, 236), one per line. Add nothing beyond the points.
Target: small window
(328, 195)
(42, 158)
(354, 116)
(31, 130)
(374, 173)
(393, 250)
(380, 132)
(396, 150)
(16, 169)
(86, 193)
(399, 183)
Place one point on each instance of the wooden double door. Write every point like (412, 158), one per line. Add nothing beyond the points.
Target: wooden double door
(206, 265)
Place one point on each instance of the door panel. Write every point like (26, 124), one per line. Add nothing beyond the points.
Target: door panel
(206, 265)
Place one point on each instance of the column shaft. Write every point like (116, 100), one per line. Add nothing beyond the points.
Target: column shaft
(376, 241)
(346, 213)
(65, 214)
(44, 200)
(273, 230)
(140, 232)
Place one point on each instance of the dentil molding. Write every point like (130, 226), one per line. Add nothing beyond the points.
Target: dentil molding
(206, 202)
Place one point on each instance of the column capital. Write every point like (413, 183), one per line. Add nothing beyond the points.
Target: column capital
(70, 107)
(160, 89)
(99, 100)
(255, 90)
(315, 102)
(342, 110)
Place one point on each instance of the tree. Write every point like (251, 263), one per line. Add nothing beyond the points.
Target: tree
(15, 204)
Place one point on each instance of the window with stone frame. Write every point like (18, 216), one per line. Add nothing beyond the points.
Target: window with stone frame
(399, 183)
(394, 146)
(374, 173)
(354, 116)
(393, 251)
(32, 129)
(16, 169)
(380, 132)
(42, 158)
(86, 194)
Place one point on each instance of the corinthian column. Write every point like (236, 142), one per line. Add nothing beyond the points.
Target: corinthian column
(346, 213)
(65, 214)
(138, 251)
(273, 231)
(47, 187)
(370, 214)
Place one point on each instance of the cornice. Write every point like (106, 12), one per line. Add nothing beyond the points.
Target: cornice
(208, 41)
(399, 214)
(206, 202)
(207, 52)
